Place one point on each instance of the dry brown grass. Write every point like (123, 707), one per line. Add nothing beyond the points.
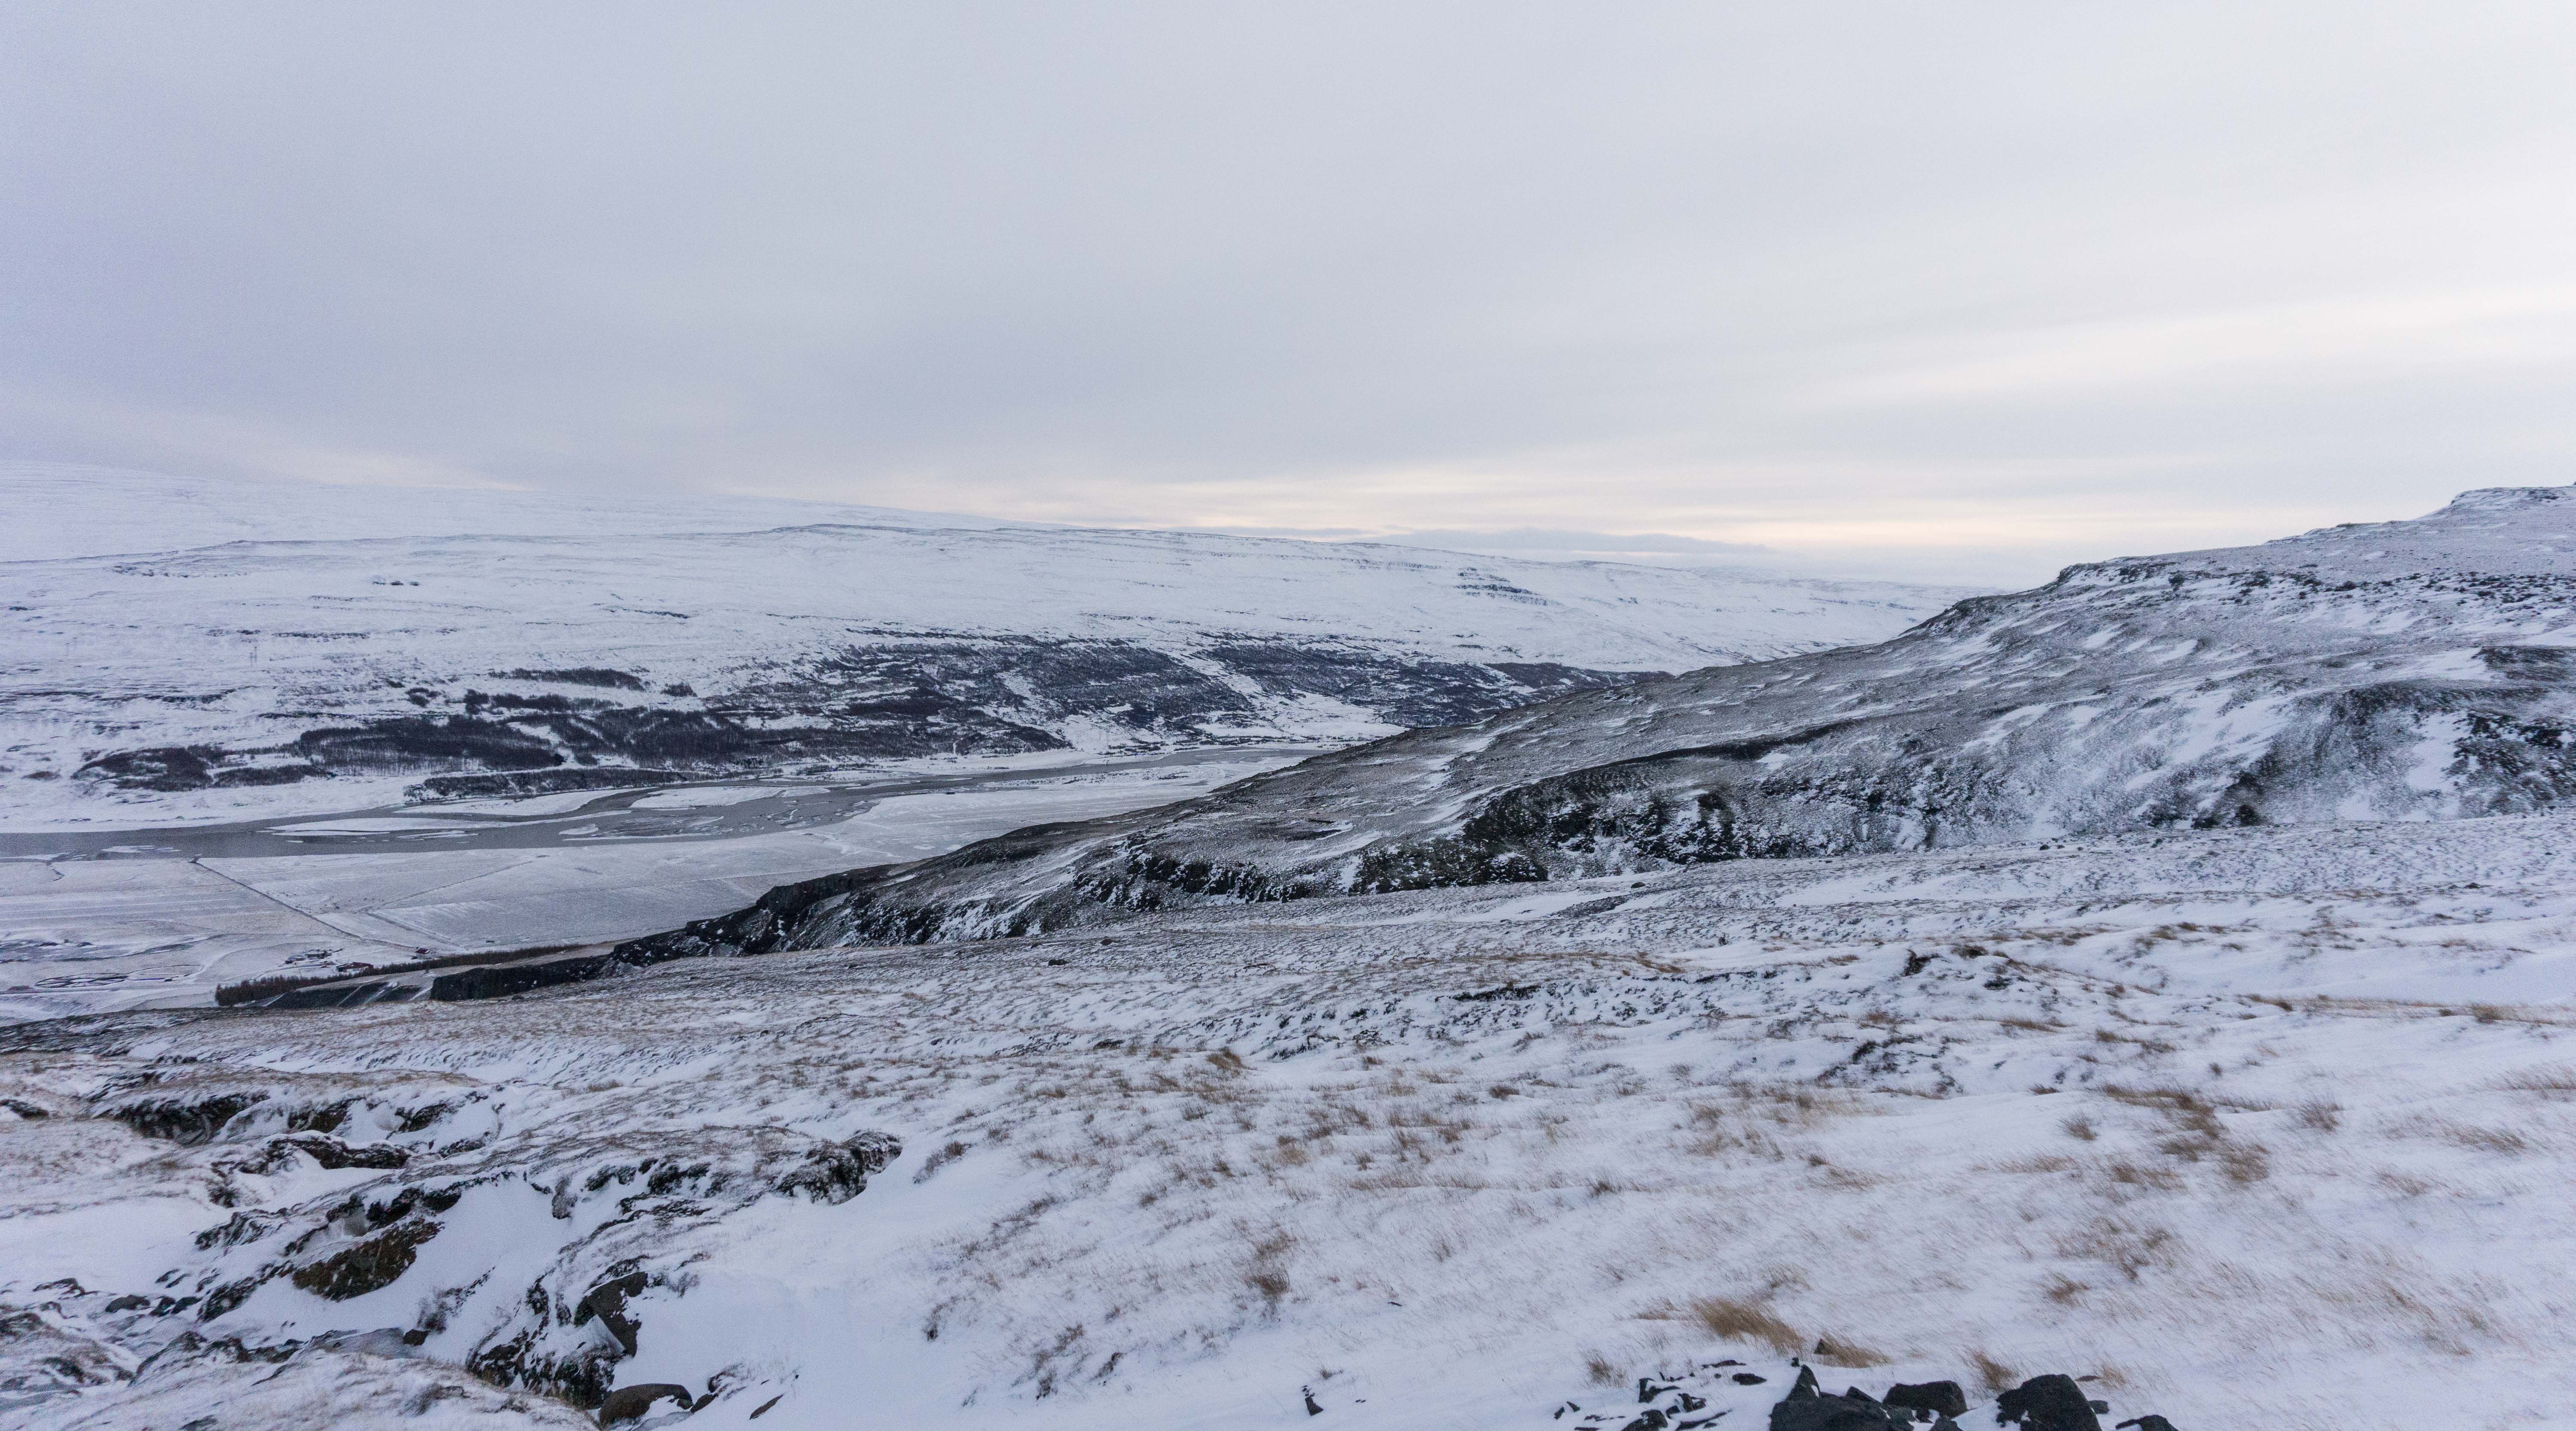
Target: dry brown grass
(2556, 1082)
(2465, 1135)
(2128, 1247)
(1732, 1319)
(1844, 1352)
(2244, 1163)
(1996, 1375)
(2128, 1174)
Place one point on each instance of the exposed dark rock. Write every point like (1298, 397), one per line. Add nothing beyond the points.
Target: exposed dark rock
(838, 1172)
(427, 743)
(631, 1403)
(23, 1108)
(184, 1119)
(501, 980)
(580, 676)
(2147, 1423)
(363, 1267)
(1806, 1408)
(607, 1301)
(232, 1294)
(243, 1227)
(165, 768)
(1941, 1398)
(516, 1361)
(332, 1153)
(2047, 1403)
(546, 782)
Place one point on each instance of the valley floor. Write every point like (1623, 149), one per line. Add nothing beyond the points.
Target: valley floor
(163, 916)
(2268, 1127)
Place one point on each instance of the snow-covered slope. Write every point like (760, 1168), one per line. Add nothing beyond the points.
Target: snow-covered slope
(2421, 670)
(471, 633)
(2265, 1127)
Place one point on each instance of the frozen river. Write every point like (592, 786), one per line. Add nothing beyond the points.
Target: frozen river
(712, 810)
(94, 920)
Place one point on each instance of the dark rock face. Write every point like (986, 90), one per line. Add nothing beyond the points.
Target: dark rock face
(2047, 1403)
(607, 1301)
(1941, 1398)
(500, 981)
(362, 1268)
(2147, 1423)
(183, 1119)
(332, 1153)
(632, 1403)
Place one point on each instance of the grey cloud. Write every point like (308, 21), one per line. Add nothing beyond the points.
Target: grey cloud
(1541, 539)
(2016, 281)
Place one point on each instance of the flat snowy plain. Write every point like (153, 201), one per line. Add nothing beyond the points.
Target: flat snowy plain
(2262, 1127)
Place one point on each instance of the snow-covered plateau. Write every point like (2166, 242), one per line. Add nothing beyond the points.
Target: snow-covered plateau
(189, 649)
(2264, 1126)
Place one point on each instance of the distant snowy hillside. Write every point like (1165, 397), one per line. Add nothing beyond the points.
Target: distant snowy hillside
(2421, 670)
(511, 641)
(62, 509)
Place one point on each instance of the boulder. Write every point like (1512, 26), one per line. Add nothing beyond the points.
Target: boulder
(2147, 1423)
(2047, 1403)
(1941, 1398)
(1807, 1409)
(630, 1403)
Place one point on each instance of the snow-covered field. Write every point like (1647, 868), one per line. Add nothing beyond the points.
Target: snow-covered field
(174, 648)
(2258, 1127)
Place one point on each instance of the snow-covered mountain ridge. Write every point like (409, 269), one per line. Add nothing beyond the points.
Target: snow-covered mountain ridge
(568, 647)
(2416, 670)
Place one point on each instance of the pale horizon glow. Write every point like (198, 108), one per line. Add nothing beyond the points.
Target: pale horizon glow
(1955, 294)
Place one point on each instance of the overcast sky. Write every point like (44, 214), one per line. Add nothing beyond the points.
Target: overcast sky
(1960, 291)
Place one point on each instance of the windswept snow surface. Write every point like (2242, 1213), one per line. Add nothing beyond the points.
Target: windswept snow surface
(189, 649)
(2408, 671)
(2252, 1127)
